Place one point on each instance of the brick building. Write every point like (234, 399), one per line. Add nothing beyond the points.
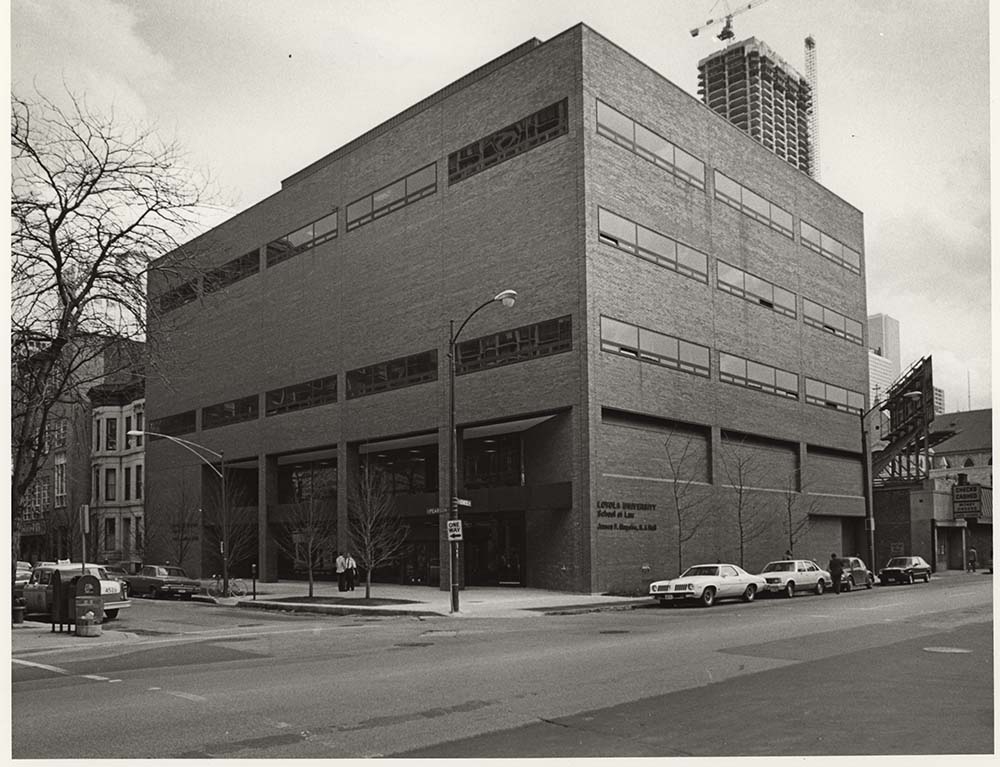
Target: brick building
(687, 336)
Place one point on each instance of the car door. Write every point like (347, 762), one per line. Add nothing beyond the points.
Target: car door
(805, 576)
(730, 583)
(34, 591)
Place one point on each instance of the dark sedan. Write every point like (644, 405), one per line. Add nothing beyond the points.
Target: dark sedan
(905, 570)
(163, 581)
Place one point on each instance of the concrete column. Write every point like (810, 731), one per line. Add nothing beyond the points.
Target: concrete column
(716, 472)
(348, 468)
(267, 496)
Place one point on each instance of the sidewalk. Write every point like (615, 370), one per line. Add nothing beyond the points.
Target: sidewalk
(425, 601)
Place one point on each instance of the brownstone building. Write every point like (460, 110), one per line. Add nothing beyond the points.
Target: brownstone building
(680, 379)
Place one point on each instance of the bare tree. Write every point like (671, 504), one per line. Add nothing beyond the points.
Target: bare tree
(740, 466)
(309, 532)
(176, 528)
(689, 496)
(230, 526)
(798, 506)
(93, 201)
(377, 533)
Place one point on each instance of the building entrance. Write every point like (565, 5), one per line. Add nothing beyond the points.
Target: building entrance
(494, 549)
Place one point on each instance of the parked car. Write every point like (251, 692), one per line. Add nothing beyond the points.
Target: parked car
(708, 583)
(904, 570)
(855, 574)
(163, 581)
(38, 589)
(787, 576)
(21, 577)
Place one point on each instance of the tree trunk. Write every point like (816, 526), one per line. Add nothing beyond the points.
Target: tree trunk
(368, 583)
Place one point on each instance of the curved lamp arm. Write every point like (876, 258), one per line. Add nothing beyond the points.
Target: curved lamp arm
(188, 445)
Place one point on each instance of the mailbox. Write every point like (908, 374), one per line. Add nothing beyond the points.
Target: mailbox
(88, 606)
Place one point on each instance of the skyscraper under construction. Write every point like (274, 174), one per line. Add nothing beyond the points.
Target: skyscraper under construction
(760, 93)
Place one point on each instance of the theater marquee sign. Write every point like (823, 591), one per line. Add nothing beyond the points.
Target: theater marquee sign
(625, 516)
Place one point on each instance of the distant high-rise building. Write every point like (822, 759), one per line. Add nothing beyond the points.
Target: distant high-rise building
(938, 401)
(760, 93)
(883, 355)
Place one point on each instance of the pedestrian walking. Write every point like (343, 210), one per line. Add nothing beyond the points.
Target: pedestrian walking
(836, 568)
(973, 557)
(341, 572)
(351, 568)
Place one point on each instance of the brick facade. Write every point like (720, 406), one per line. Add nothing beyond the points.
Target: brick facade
(389, 288)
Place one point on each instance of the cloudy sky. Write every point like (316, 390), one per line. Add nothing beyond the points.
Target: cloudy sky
(258, 89)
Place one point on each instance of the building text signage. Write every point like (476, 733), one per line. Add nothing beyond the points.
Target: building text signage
(625, 516)
(966, 501)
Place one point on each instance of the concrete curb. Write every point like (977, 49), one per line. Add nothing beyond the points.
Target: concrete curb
(298, 607)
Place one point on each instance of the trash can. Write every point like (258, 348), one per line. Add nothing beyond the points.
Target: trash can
(88, 607)
(18, 609)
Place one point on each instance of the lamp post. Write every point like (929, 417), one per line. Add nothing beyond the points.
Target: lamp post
(866, 471)
(507, 298)
(194, 447)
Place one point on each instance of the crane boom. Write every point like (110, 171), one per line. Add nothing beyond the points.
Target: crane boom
(727, 29)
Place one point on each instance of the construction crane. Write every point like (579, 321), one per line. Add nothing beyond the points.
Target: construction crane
(727, 29)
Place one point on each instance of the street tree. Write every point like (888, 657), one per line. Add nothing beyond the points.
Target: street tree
(376, 532)
(94, 199)
(690, 496)
(309, 534)
(230, 524)
(798, 508)
(743, 473)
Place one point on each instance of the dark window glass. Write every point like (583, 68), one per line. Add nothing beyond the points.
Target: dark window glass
(110, 485)
(392, 374)
(111, 434)
(829, 321)
(757, 375)
(299, 396)
(408, 470)
(128, 483)
(181, 423)
(509, 346)
(302, 239)
(138, 482)
(232, 271)
(829, 247)
(492, 462)
(392, 197)
(233, 411)
(182, 294)
(308, 481)
(755, 289)
(752, 204)
(834, 397)
(517, 138)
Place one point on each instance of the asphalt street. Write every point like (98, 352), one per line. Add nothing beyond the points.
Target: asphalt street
(899, 670)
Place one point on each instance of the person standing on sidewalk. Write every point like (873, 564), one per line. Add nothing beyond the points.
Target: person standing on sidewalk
(341, 572)
(351, 568)
(836, 568)
(973, 559)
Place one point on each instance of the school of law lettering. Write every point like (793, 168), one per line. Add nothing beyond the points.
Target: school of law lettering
(623, 512)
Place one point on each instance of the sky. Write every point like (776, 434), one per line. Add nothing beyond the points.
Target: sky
(255, 90)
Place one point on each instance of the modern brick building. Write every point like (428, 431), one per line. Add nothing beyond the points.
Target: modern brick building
(759, 92)
(680, 379)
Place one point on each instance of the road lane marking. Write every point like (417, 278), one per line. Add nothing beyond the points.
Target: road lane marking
(62, 671)
(186, 696)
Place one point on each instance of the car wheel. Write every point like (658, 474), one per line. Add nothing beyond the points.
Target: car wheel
(750, 593)
(870, 581)
(153, 593)
(708, 597)
(927, 578)
(849, 584)
(110, 615)
(909, 577)
(820, 586)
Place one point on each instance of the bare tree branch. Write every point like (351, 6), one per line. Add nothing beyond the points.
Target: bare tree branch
(377, 533)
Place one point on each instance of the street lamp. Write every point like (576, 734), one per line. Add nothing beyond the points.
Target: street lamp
(867, 470)
(194, 447)
(507, 298)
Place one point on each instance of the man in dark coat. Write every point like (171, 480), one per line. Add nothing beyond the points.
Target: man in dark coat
(836, 569)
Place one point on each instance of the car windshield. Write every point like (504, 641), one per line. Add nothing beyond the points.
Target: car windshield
(899, 562)
(778, 567)
(700, 570)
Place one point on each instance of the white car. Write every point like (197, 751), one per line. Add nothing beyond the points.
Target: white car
(708, 583)
(787, 576)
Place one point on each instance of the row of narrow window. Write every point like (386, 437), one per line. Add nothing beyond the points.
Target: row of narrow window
(505, 347)
(653, 147)
(664, 350)
(519, 137)
(650, 245)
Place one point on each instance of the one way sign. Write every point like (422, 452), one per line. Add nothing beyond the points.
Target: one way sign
(454, 529)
